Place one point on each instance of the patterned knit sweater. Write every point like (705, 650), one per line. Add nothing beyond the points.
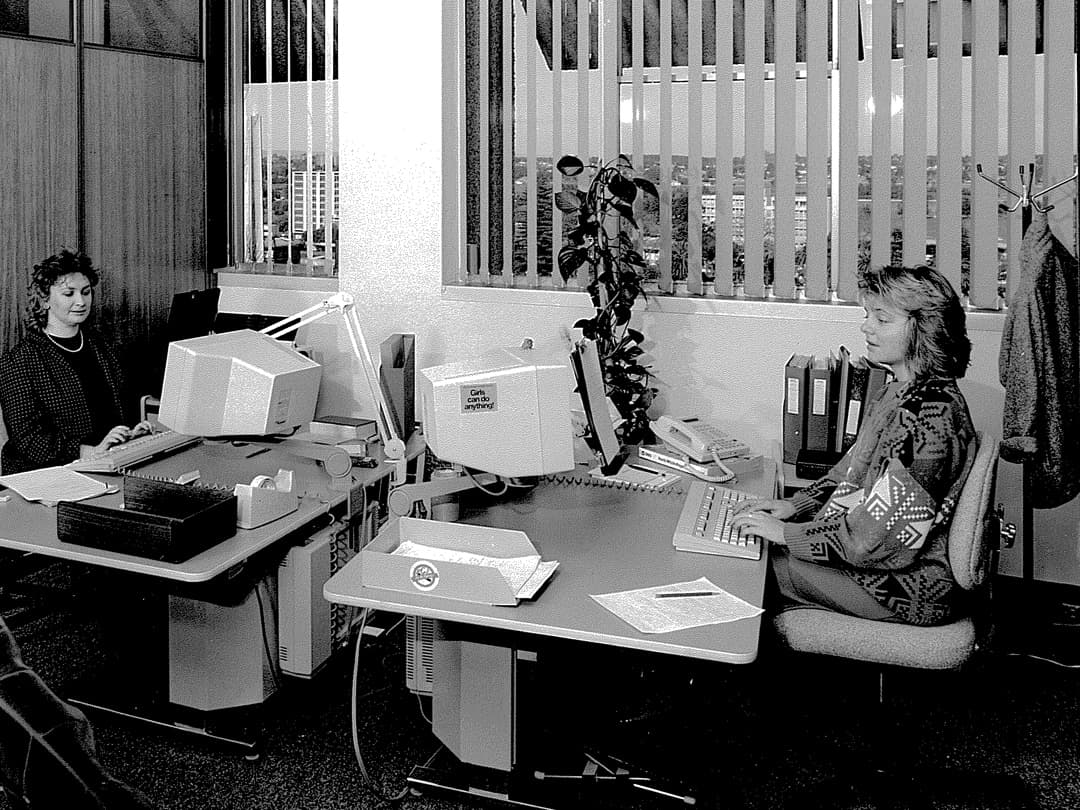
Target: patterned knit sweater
(881, 515)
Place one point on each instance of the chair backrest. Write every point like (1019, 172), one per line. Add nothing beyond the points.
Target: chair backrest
(3, 436)
(971, 544)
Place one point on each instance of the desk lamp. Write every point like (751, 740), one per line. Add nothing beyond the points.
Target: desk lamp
(342, 304)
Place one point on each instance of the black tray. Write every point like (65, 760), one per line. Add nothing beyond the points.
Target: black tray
(159, 520)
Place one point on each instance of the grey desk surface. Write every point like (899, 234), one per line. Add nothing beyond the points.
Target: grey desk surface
(605, 540)
(32, 527)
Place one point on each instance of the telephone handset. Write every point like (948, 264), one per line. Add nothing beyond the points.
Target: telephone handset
(699, 440)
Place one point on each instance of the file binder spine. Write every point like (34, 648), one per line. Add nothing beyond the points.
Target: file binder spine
(818, 416)
(840, 397)
(855, 404)
(796, 380)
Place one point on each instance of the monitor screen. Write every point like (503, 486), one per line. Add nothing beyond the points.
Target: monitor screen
(241, 383)
(507, 412)
(600, 435)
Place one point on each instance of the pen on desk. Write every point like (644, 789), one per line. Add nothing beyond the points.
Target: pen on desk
(642, 469)
(686, 593)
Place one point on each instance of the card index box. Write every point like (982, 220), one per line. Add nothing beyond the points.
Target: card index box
(159, 520)
(796, 381)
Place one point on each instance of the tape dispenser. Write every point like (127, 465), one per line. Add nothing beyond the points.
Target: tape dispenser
(265, 499)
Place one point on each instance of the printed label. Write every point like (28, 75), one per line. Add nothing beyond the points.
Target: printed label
(793, 395)
(854, 408)
(424, 575)
(819, 398)
(479, 398)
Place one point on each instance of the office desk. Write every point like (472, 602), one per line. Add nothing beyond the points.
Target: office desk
(203, 653)
(605, 539)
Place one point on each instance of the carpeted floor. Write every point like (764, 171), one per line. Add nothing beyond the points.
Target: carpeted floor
(767, 735)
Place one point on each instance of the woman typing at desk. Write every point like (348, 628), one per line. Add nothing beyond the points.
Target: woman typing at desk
(869, 537)
(62, 391)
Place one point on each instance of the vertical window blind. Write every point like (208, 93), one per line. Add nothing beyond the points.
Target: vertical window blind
(792, 142)
(290, 180)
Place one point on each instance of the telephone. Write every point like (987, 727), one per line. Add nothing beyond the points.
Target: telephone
(699, 440)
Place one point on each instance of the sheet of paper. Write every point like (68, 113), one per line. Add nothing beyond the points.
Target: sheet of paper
(540, 576)
(645, 612)
(516, 570)
(52, 484)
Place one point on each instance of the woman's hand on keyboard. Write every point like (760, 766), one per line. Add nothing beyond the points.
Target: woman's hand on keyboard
(118, 435)
(761, 524)
(144, 428)
(779, 509)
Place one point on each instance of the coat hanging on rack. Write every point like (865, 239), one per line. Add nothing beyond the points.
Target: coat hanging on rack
(1039, 365)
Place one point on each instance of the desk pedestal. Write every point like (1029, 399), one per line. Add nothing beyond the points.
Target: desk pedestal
(218, 675)
(504, 727)
(218, 654)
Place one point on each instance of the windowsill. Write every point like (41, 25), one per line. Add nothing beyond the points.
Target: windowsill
(840, 312)
(228, 277)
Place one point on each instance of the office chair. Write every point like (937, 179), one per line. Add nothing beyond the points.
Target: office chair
(47, 751)
(973, 541)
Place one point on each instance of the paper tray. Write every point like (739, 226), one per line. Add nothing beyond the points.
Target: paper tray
(448, 580)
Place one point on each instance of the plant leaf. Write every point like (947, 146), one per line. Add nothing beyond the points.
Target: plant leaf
(622, 188)
(647, 187)
(570, 259)
(625, 211)
(570, 166)
(568, 201)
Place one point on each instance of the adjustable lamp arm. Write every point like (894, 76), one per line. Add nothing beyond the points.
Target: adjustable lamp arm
(342, 303)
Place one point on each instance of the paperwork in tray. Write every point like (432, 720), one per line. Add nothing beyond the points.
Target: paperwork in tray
(666, 608)
(460, 561)
(525, 575)
(52, 484)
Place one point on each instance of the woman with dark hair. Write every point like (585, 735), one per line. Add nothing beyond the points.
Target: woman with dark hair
(869, 537)
(62, 391)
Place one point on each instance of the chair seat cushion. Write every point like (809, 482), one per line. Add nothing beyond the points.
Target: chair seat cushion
(822, 631)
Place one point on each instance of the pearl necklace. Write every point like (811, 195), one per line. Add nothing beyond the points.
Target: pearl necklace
(59, 345)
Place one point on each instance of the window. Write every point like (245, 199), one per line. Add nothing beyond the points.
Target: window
(170, 27)
(289, 218)
(50, 19)
(857, 154)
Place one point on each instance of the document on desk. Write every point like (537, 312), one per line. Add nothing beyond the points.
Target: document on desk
(525, 575)
(52, 484)
(667, 608)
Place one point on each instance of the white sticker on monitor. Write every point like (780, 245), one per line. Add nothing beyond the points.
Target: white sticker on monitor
(479, 398)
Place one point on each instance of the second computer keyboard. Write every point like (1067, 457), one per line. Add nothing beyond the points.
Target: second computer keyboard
(121, 456)
(705, 523)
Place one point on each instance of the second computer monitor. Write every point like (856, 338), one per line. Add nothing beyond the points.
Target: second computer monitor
(506, 412)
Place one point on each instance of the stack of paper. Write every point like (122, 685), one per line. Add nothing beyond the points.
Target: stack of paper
(52, 484)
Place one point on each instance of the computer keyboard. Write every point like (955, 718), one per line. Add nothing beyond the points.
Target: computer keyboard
(130, 453)
(704, 525)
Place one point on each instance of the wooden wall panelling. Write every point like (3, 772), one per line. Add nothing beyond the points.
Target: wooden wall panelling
(145, 191)
(37, 166)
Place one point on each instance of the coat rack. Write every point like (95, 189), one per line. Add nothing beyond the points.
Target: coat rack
(1025, 201)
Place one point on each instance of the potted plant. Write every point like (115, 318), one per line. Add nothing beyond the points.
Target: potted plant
(602, 241)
